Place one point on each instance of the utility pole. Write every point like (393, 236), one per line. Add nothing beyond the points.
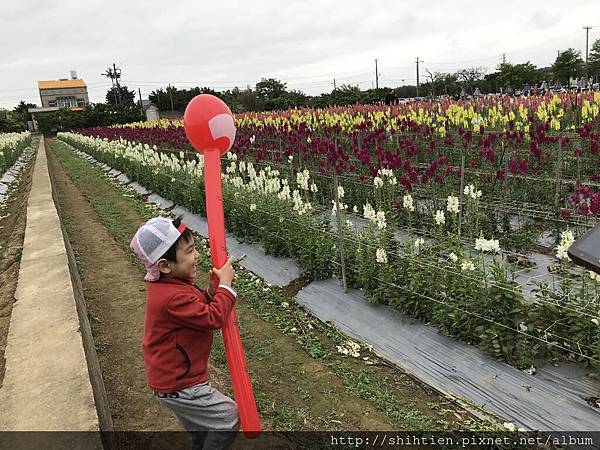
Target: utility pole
(417, 61)
(503, 58)
(587, 35)
(376, 75)
(334, 85)
(171, 97)
(117, 74)
(141, 103)
(114, 74)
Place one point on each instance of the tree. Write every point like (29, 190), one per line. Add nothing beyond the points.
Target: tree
(593, 67)
(516, 75)
(270, 89)
(568, 64)
(20, 113)
(121, 94)
(469, 76)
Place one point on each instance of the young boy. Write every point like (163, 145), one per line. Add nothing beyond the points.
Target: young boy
(178, 332)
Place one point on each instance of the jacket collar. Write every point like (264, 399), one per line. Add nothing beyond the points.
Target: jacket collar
(170, 280)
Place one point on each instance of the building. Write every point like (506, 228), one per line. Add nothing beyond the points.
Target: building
(63, 93)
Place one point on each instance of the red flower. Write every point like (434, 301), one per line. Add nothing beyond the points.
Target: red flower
(565, 213)
(595, 204)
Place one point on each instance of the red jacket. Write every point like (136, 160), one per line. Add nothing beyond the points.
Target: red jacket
(178, 332)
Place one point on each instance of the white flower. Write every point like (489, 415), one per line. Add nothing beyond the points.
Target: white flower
(485, 245)
(302, 179)
(340, 192)
(566, 239)
(381, 223)
(439, 217)
(596, 322)
(522, 327)
(378, 182)
(381, 256)
(369, 213)
(252, 207)
(252, 139)
(418, 244)
(452, 204)
(355, 209)
(493, 245)
(284, 304)
(561, 252)
(313, 188)
(452, 257)
(509, 426)
(593, 275)
(290, 158)
(467, 265)
(407, 202)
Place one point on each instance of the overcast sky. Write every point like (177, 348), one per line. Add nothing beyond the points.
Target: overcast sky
(306, 44)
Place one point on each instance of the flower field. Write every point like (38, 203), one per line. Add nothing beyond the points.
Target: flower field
(11, 147)
(437, 209)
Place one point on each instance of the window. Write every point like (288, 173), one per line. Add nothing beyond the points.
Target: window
(66, 102)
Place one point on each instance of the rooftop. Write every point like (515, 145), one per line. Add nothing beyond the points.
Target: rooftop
(61, 84)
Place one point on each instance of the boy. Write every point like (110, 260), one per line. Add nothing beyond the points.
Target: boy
(178, 331)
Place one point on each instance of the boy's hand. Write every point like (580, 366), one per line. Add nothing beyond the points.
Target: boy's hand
(225, 274)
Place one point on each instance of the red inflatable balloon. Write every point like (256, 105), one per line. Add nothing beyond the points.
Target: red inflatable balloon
(208, 124)
(209, 127)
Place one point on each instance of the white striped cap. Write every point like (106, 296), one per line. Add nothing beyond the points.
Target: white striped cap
(152, 240)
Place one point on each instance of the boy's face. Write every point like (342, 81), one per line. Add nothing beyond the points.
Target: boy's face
(185, 267)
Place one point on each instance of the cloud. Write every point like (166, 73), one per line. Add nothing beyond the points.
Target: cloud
(308, 43)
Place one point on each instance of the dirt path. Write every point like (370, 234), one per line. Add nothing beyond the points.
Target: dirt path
(12, 232)
(294, 391)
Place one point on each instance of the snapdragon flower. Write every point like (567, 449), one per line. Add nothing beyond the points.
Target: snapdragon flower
(566, 239)
(439, 217)
(470, 191)
(381, 256)
(419, 242)
(452, 204)
(407, 202)
(487, 245)
(467, 265)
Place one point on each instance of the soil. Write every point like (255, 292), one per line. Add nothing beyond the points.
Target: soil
(285, 378)
(13, 217)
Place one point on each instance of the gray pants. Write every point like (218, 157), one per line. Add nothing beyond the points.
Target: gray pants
(210, 417)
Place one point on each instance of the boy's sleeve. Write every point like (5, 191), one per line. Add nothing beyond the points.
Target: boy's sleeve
(193, 312)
